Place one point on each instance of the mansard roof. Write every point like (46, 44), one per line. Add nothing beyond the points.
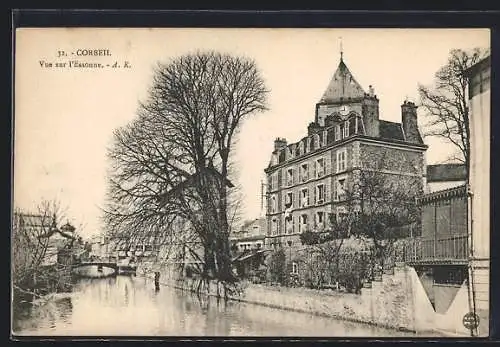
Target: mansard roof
(342, 85)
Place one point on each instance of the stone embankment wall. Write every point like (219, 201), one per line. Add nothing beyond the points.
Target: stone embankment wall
(398, 301)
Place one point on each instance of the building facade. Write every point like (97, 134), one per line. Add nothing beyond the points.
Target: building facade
(479, 185)
(307, 180)
(251, 235)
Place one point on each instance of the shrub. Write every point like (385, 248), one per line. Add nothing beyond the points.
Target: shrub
(309, 238)
(277, 266)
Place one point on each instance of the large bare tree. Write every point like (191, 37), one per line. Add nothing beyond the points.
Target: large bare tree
(173, 161)
(384, 203)
(446, 103)
(31, 236)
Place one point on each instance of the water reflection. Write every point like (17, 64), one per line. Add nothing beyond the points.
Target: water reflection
(132, 306)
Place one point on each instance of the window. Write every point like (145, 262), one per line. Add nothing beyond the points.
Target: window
(304, 172)
(274, 226)
(331, 218)
(303, 223)
(273, 204)
(320, 167)
(341, 160)
(337, 132)
(304, 198)
(289, 224)
(255, 230)
(353, 125)
(289, 177)
(346, 129)
(320, 194)
(317, 142)
(289, 200)
(295, 268)
(274, 181)
(342, 216)
(339, 191)
(320, 218)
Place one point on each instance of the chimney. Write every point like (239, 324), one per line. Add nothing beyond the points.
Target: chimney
(409, 122)
(371, 91)
(370, 111)
(313, 128)
(279, 143)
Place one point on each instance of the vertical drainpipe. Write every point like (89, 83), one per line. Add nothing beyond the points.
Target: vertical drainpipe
(470, 284)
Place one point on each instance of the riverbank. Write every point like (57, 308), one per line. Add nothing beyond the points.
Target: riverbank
(396, 302)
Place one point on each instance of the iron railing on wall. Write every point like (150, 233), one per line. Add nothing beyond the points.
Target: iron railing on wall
(444, 249)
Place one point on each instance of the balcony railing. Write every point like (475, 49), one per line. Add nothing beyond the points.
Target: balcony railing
(453, 249)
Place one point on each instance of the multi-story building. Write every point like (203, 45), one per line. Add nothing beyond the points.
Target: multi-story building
(251, 235)
(308, 179)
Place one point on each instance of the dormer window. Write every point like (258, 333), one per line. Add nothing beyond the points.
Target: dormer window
(337, 132)
(301, 148)
(316, 139)
(353, 125)
(346, 129)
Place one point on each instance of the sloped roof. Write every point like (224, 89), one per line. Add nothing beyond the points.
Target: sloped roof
(342, 85)
(391, 130)
(446, 172)
(460, 191)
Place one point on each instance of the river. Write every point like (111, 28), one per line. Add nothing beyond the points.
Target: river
(130, 306)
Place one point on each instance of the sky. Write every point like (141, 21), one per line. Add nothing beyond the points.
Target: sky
(64, 117)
